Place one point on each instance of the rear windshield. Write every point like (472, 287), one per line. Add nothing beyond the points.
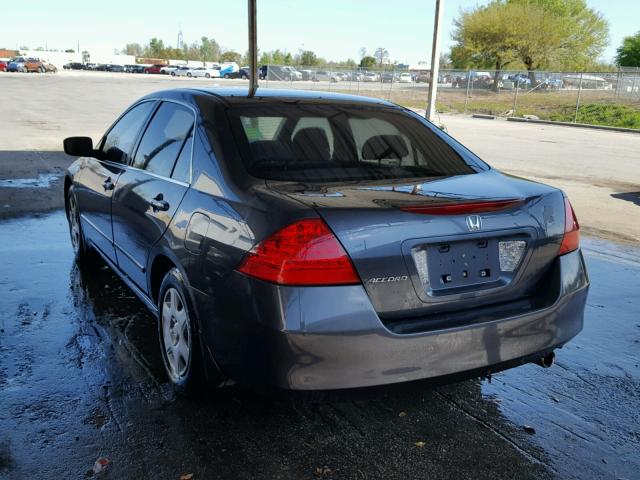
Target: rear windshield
(324, 143)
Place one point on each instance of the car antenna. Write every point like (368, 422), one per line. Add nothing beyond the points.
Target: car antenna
(253, 49)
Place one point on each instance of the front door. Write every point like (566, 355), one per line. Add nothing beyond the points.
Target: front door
(97, 181)
(149, 192)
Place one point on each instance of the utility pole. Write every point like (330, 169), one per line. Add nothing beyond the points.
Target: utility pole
(253, 49)
(435, 61)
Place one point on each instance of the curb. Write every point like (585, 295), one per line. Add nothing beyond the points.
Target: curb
(579, 125)
(482, 115)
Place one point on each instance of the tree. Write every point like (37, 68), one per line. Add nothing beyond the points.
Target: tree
(368, 62)
(307, 58)
(231, 56)
(155, 49)
(381, 55)
(487, 36)
(628, 54)
(69, 50)
(563, 34)
(133, 49)
(209, 50)
(576, 35)
(86, 56)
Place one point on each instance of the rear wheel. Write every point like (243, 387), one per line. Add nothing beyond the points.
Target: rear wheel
(173, 74)
(226, 75)
(244, 77)
(207, 75)
(188, 74)
(178, 333)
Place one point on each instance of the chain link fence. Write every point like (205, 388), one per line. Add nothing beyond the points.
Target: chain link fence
(598, 98)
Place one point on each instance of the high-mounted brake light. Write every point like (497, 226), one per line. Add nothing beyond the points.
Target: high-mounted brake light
(461, 208)
(303, 253)
(571, 239)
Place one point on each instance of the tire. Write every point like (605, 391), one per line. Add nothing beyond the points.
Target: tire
(82, 252)
(207, 75)
(244, 77)
(173, 74)
(189, 74)
(226, 75)
(180, 346)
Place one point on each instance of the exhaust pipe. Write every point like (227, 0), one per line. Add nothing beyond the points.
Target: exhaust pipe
(546, 361)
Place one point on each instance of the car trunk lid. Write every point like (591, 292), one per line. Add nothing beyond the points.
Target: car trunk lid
(443, 244)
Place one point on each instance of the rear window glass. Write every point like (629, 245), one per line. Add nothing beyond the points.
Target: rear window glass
(324, 143)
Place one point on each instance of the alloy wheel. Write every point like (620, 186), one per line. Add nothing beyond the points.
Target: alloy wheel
(176, 334)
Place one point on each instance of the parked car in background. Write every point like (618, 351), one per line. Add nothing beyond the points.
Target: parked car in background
(204, 72)
(243, 73)
(3, 66)
(134, 68)
(388, 77)
(167, 69)
(49, 67)
(326, 76)
(311, 241)
(181, 71)
(422, 77)
(279, 72)
(90, 66)
(521, 79)
(307, 74)
(370, 77)
(155, 68)
(405, 78)
(17, 64)
(73, 66)
(355, 76)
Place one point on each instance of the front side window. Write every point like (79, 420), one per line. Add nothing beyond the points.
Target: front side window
(326, 143)
(164, 138)
(118, 143)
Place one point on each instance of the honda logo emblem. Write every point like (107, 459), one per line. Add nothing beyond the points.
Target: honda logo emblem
(474, 222)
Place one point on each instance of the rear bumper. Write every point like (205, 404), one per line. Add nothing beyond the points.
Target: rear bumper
(324, 338)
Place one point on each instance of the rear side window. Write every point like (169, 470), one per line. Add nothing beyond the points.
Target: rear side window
(118, 143)
(325, 143)
(164, 138)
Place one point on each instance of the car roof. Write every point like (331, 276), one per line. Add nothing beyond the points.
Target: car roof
(239, 95)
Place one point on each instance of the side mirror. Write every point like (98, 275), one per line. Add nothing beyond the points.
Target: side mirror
(79, 146)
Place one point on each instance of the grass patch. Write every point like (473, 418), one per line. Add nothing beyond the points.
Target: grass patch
(612, 115)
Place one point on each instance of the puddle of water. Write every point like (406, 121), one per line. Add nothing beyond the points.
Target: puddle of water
(44, 180)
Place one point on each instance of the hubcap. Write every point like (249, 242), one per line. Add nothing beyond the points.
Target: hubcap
(74, 224)
(176, 334)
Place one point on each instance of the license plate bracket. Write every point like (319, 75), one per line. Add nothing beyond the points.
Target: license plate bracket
(452, 265)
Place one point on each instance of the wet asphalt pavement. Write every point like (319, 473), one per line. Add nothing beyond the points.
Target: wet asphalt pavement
(81, 378)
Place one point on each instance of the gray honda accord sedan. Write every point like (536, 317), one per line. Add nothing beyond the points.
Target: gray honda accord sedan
(316, 241)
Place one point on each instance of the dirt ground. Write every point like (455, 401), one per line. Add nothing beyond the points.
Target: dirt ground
(81, 377)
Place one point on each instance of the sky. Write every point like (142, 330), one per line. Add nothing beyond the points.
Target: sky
(334, 29)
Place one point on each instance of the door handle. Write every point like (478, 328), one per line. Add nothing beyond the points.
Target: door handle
(108, 184)
(158, 204)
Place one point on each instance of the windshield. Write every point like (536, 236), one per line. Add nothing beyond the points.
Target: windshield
(311, 142)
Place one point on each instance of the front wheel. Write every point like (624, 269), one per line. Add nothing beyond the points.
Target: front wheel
(226, 75)
(178, 333)
(207, 75)
(189, 74)
(81, 250)
(173, 74)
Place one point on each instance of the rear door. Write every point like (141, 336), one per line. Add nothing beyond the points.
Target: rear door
(98, 177)
(148, 194)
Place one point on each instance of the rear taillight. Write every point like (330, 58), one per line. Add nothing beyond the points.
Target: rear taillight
(571, 239)
(303, 253)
